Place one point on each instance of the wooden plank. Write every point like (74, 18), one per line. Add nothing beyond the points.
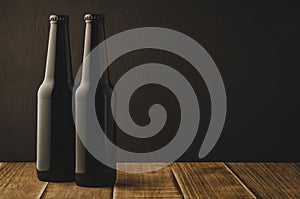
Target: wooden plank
(155, 184)
(18, 180)
(71, 190)
(270, 180)
(208, 180)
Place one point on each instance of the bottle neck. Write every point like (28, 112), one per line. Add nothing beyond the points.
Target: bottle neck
(58, 64)
(94, 35)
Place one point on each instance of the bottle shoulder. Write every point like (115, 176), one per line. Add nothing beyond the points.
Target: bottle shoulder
(85, 89)
(49, 88)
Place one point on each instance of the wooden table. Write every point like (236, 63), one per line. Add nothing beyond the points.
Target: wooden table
(178, 180)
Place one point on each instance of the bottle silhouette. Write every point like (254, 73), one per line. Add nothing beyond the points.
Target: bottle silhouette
(55, 125)
(90, 172)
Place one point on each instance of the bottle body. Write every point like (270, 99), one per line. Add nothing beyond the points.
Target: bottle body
(55, 125)
(90, 172)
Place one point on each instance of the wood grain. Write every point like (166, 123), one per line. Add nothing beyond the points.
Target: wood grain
(155, 184)
(179, 180)
(19, 180)
(208, 180)
(270, 180)
(71, 190)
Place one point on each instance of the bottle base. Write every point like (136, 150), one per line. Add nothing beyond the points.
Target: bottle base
(55, 176)
(95, 179)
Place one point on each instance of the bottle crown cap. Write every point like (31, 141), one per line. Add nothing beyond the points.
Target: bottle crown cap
(92, 17)
(59, 18)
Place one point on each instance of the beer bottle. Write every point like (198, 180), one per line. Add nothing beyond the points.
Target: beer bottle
(90, 172)
(55, 125)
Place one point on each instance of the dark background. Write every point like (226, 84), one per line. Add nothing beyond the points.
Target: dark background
(254, 46)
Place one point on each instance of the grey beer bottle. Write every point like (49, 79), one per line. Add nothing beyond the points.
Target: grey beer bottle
(55, 125)
(90, 172)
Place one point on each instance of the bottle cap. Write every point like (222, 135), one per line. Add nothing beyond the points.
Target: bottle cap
(59, 18)
(92, 17)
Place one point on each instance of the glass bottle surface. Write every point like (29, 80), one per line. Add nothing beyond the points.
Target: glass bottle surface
(55, 125)
(89, 171)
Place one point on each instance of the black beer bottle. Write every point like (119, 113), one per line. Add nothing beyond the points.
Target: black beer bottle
(55, 125)
(90, 172)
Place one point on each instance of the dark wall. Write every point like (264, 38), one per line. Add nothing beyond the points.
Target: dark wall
(253, 45)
